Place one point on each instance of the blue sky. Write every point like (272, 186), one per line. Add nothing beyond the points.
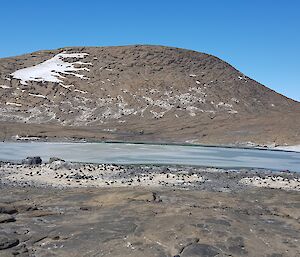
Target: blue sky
(260, 38)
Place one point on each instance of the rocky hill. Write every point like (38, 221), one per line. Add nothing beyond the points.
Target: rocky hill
(140, 93)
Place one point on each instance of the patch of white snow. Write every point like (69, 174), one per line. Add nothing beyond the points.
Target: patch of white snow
(4, 86)
(38, 95)
(80, 91)
(14, 104)
(52, 69)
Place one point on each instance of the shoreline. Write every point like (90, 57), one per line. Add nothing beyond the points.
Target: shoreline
(63, 174)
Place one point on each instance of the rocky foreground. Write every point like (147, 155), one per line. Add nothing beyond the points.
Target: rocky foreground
(72, 209)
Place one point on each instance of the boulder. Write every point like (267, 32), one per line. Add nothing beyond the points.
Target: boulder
(32, 160)
(54, 159)
(204, 250)
(56, 165)
(61, 164)
(7, 209)
(5, 218)
(7, 241)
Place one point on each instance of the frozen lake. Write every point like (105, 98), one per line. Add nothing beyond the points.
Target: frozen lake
(121, 153)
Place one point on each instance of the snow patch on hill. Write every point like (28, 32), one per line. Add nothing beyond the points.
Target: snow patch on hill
(13, 104)
(4, 87)
(52, 69)
(38, 95)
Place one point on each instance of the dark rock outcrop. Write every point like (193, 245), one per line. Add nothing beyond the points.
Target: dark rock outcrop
(36, 160)
(7, 241)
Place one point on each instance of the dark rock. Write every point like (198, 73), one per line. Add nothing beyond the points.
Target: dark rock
(61, 164)
(218, 222)
(203, 250)
(236, 245)
(8, 209)
(32, 208)
(54, 159)
(5, 218)
(7, 241)
(186, 242)
(21, 250)
(156, 198)
(32, 160)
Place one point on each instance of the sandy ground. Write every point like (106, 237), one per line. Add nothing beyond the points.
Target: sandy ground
(71, 209)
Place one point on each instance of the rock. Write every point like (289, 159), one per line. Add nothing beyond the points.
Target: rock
(5, 218)
(21, 250)
(7, 241)
(236, 245)
(32, 160)
(275, 255)
(196, 250)
(156, 198)
(218, 222)
(54, 159)
(185, 242)
(7, 209)
(61, 164)
(56, 164)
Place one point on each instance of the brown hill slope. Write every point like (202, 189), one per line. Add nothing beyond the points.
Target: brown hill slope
(140, 93)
